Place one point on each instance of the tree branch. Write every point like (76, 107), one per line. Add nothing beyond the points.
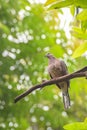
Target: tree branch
(80, 73)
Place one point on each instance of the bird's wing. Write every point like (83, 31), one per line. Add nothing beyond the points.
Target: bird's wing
(64, 70)
(51, 76)
(57, 83)
(64, 67)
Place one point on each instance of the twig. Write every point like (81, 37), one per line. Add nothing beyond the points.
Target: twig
(80, 73)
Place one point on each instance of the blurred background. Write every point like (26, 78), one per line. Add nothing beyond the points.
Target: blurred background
(28, 30)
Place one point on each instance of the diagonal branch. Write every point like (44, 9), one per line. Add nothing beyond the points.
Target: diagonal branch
(80, 73)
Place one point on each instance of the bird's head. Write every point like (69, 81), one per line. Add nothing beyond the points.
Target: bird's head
(49, 56)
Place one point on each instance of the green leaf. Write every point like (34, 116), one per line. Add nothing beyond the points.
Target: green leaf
(82, 16)
(61, 4)
(80, 3)
(84, 25)
(85, 121)
(80, 50)
(50, 2)
(72, 10)
(76, 126)
(77, 32)
(64, 3)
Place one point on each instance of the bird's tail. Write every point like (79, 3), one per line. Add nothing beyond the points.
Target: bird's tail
(66, 100)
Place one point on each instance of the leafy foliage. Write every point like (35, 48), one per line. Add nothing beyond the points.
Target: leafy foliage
(80, 50)
(27, 32)
(63, 3)
(77, 126)
(82, 17)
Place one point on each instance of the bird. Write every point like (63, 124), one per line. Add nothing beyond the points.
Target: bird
(57, 68)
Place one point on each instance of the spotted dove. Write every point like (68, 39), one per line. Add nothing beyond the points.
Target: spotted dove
(57, 68)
